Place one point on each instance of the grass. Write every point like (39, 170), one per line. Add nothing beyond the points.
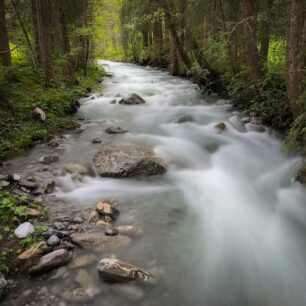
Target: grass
(21, 91)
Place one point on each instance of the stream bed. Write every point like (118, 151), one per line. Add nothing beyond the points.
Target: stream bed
(226, 224)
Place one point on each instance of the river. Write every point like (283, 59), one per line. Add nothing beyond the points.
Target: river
(225, 226)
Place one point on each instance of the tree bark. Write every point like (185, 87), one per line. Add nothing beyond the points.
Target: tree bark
(176, 40)
(36, 33)
(251, 51)
(45, 39)
(265, 33)
(295, 56)
(5, 52)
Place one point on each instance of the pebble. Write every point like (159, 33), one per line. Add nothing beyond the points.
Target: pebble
(24, 230)
(53, 241)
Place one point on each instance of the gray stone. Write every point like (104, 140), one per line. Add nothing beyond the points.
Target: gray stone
(4, 183)
(97, 238)
(96, 141)
(28, 184)
(183, 119)
(132, 99)
(51, 261)
(24, 230)
(49, 159)
(113, 101)
(221, 126)
(114, 270)
(112, 231)
(76, 168)
(53, 241)
(127, 161)
(116, 130)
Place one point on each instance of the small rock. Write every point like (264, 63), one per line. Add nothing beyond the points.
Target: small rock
(113, 101)
(55, 142)
(76, 168)
(4, 183)
(130, 231)
(111, 232)
(53, 241)
(14, 177)
(77, 220)
(220, 127)
(4, 177)
(59, 225)
(35, 251)
(24, 230)
(94, 217)
(96, 141)
(51, 261)
(62, 217)
(116, 130)
(106, 209)
(28, 184)
(73, 228)
(49, 159)
(39, 114)
(132, 99)
(114, 270)
(183, 119)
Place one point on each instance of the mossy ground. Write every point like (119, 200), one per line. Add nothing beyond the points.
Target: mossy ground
(21, 91)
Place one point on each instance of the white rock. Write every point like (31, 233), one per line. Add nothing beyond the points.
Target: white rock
(24, 230)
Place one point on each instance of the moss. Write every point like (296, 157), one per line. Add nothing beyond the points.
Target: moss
(22, 90)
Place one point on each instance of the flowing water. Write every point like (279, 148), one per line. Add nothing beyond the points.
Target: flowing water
(225, 226)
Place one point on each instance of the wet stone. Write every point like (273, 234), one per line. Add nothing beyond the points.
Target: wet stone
(114, 270)
(96, 141)
(116, 130)
(53, 241)
(51, 261)
(132, 99)
(111, 232)
(106, 209)
(4, 183)
(49, 159)
(184, 119)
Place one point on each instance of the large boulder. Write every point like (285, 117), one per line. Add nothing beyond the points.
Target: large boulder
(127, 161)
(114, 270)
(51, 261)
(132, 99)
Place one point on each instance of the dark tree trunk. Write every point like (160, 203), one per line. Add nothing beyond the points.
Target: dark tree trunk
(5, 53)
(45, 39)
(265, 33)
(175, 37)
(295, 56)
(36, 33)
(251, 51)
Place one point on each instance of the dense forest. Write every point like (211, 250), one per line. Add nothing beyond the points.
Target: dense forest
(209, 93)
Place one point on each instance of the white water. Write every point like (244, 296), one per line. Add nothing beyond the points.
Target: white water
(226, 225)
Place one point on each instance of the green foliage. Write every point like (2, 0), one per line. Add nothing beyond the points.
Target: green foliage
(21, 91)
(267, 99)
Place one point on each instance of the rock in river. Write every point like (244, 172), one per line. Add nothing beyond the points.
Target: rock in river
(116, 130)
(51, 261)
(49, 159)
(114, 270)
(106, 209)
(127, 161)
(132, 99)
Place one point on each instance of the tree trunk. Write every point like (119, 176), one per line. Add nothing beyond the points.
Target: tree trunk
(251, 51)
(295, 56)
(265, 33)
(45, 39)
(176, 40)
(5, 52)
(36, 33)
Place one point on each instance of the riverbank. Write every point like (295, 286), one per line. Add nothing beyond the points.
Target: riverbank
(22, 91)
